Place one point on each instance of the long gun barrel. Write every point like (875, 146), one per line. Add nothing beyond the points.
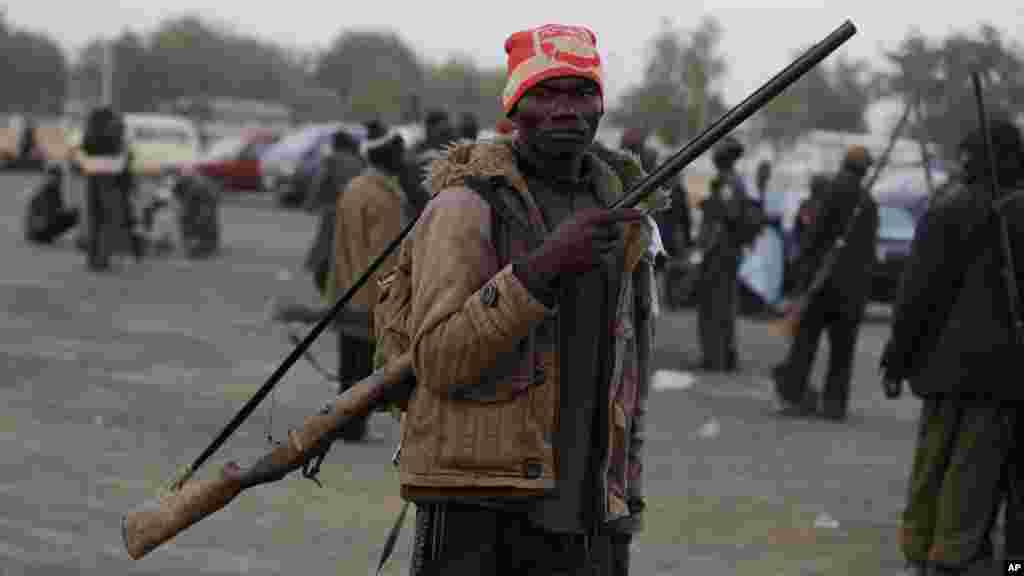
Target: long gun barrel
(188, 502)
(1009, 266)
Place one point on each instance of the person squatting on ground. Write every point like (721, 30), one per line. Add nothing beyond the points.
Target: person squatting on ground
(47, 215)
(370, 213)
(952, 340)
(729, 222)
(848, 212)
(530, 334)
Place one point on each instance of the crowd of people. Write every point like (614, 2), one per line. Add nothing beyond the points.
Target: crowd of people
(114, 216)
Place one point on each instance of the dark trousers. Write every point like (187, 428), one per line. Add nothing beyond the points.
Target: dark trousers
(464, 540)
(716, 312)
(101, 201)
(955, 483)
(355, 362)
(829, 312)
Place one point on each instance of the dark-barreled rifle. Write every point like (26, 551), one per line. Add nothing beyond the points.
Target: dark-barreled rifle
(994, 203)
(188, 501)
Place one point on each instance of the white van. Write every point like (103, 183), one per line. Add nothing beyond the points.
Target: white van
(161, 143)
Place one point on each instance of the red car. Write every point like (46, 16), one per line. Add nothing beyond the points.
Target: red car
(234, 162)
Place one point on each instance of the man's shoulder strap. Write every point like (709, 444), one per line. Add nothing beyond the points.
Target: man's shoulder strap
(492, 190)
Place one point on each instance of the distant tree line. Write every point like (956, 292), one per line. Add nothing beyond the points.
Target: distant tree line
(359, 76)
(363, 74)
(39, 66)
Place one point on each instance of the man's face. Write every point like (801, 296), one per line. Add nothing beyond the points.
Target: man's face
(559, 117)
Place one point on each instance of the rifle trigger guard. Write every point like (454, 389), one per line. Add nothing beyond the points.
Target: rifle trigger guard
(311, 469)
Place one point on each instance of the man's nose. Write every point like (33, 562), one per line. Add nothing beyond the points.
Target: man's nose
(566, 106)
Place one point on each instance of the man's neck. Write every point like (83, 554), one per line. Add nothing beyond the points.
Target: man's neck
(564, 168)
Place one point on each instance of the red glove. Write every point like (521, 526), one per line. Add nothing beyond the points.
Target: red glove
(576, 246)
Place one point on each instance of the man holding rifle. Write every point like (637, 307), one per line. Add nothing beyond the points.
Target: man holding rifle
(850, 215)
(531, 335)
(518, 464)
(952, 339)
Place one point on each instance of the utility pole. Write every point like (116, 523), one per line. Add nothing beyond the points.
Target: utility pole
(108, 73)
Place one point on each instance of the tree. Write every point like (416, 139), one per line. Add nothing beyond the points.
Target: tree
(193, 59)
(704, 68)
(934, 78)
(679, 93)
(833, 98)
(34, 69)
(372, 72)
(459, 86)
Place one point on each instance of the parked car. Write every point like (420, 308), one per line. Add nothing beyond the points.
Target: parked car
(284, 165)
(234, 162)
(896, 225)
(289, 166)
(161, 143)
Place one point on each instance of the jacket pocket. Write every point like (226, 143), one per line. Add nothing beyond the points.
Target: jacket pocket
(507, 380)
(494, 437)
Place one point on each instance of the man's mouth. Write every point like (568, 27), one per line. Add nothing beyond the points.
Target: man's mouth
(566, 134)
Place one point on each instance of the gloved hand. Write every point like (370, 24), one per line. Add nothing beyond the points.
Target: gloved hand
(579, 243)
(575, 247)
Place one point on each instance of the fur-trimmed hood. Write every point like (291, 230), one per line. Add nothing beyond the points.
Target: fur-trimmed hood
(617, 170)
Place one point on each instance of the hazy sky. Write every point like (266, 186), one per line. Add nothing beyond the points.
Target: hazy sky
(758, 39)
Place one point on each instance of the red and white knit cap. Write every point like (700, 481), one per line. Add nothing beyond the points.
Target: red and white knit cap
(549, 51)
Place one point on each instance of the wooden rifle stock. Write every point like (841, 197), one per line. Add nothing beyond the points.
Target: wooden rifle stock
(790, 321)
(160, 520)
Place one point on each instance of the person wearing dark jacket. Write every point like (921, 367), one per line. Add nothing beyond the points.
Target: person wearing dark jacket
(952, 341)
(104, 137)
(337, 169)
(47, 215)
(805, 214)
(838, 307)
(730, 222)
(439, 133)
